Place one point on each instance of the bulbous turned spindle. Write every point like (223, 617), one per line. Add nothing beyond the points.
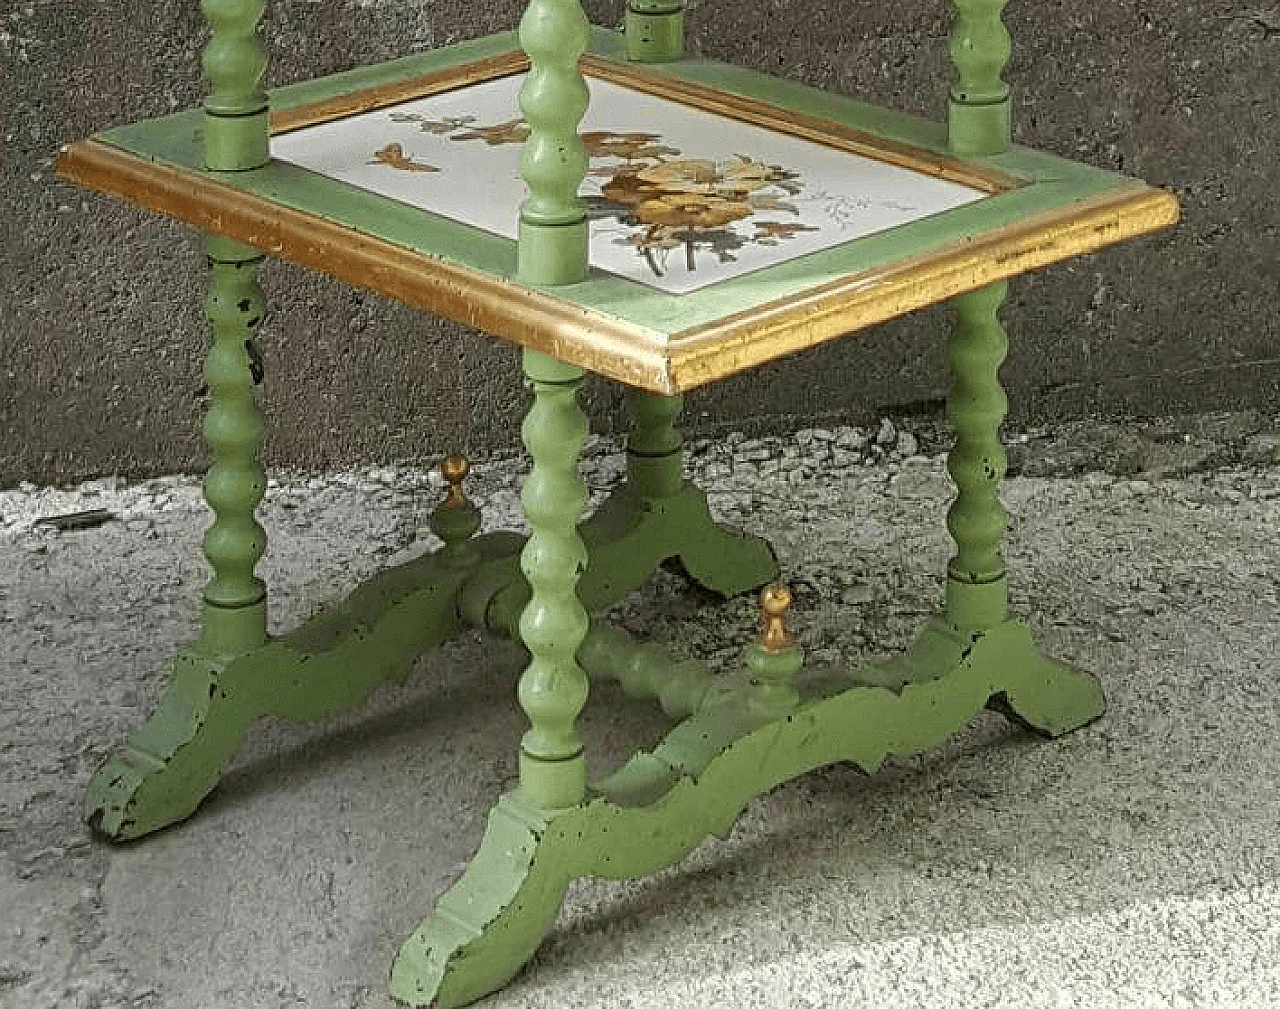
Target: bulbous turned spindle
(774, 659)
(236, 129)
(976, 583)
(455, 520)
(234, 485)
(553, 688)
(979, 106)
(551, 247)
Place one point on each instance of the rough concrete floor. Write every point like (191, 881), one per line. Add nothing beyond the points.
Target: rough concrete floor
(1132, 864)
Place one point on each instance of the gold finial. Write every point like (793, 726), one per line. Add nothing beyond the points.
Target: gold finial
(455, 469)
(775, 601)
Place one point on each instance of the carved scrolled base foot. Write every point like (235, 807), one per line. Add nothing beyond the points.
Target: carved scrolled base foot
(746, 737)
(1050, 698)
(490, 922)
(630, 535)
(1037, 692)
(169, 765)
(329, 664)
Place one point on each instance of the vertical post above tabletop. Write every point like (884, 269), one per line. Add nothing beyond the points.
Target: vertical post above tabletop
(979, 118)
(654, 30)
(236, 131)
(552, 238)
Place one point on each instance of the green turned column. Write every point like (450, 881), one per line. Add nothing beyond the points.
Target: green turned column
(236, 139)
(655, 467)
(655, 30)
(976, 585)
(235, 600)
(236, 110)
(552, 239)
(978, 114)
(553, 688)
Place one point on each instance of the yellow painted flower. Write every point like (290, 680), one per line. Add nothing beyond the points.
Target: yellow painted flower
(690, 210)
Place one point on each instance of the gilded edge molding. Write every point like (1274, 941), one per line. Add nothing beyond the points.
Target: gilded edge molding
(666, 364)
(631, 354)
(735, 343)
(612, 347)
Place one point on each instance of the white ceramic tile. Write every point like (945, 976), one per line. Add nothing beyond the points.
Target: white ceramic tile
(707, 199)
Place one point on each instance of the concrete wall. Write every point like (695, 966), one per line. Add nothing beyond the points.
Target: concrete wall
(101, 338)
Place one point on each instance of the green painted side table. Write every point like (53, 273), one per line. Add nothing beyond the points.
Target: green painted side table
(689, 222)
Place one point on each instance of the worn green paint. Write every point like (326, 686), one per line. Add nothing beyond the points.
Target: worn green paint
(654, 449)
(235, 598)
(552, 238)
(976, 581)
(645, 671)
(334, 660)
(654, 31)
(700, 779)
(553, 623)
(739, 737)
(978, 110)
(1050, 183)
(236, 110)
(330, 663)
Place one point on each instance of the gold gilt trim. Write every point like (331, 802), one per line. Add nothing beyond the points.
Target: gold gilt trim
(723, 103)
(382, 96)
(766, 332)
(628, 353)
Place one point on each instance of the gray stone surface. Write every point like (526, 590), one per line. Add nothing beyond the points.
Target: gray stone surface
(101, 340)
(1130, 865)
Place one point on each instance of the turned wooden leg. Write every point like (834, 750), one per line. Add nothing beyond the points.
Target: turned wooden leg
(977, 586)
(1036, 691)
(232, 673)
(489, 923)
(235, 600)
(553, 688)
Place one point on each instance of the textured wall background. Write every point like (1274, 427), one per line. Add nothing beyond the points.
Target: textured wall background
(101, 339)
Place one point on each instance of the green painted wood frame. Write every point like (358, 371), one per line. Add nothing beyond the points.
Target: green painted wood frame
(1047, 210)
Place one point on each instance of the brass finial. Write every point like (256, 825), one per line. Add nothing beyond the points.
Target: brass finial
(455, 469)
(775, 601)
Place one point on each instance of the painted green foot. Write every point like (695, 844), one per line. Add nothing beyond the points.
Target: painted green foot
(630, 535)
(1050, 698)
(1039, 693)
(330, 663)
(490, 922)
